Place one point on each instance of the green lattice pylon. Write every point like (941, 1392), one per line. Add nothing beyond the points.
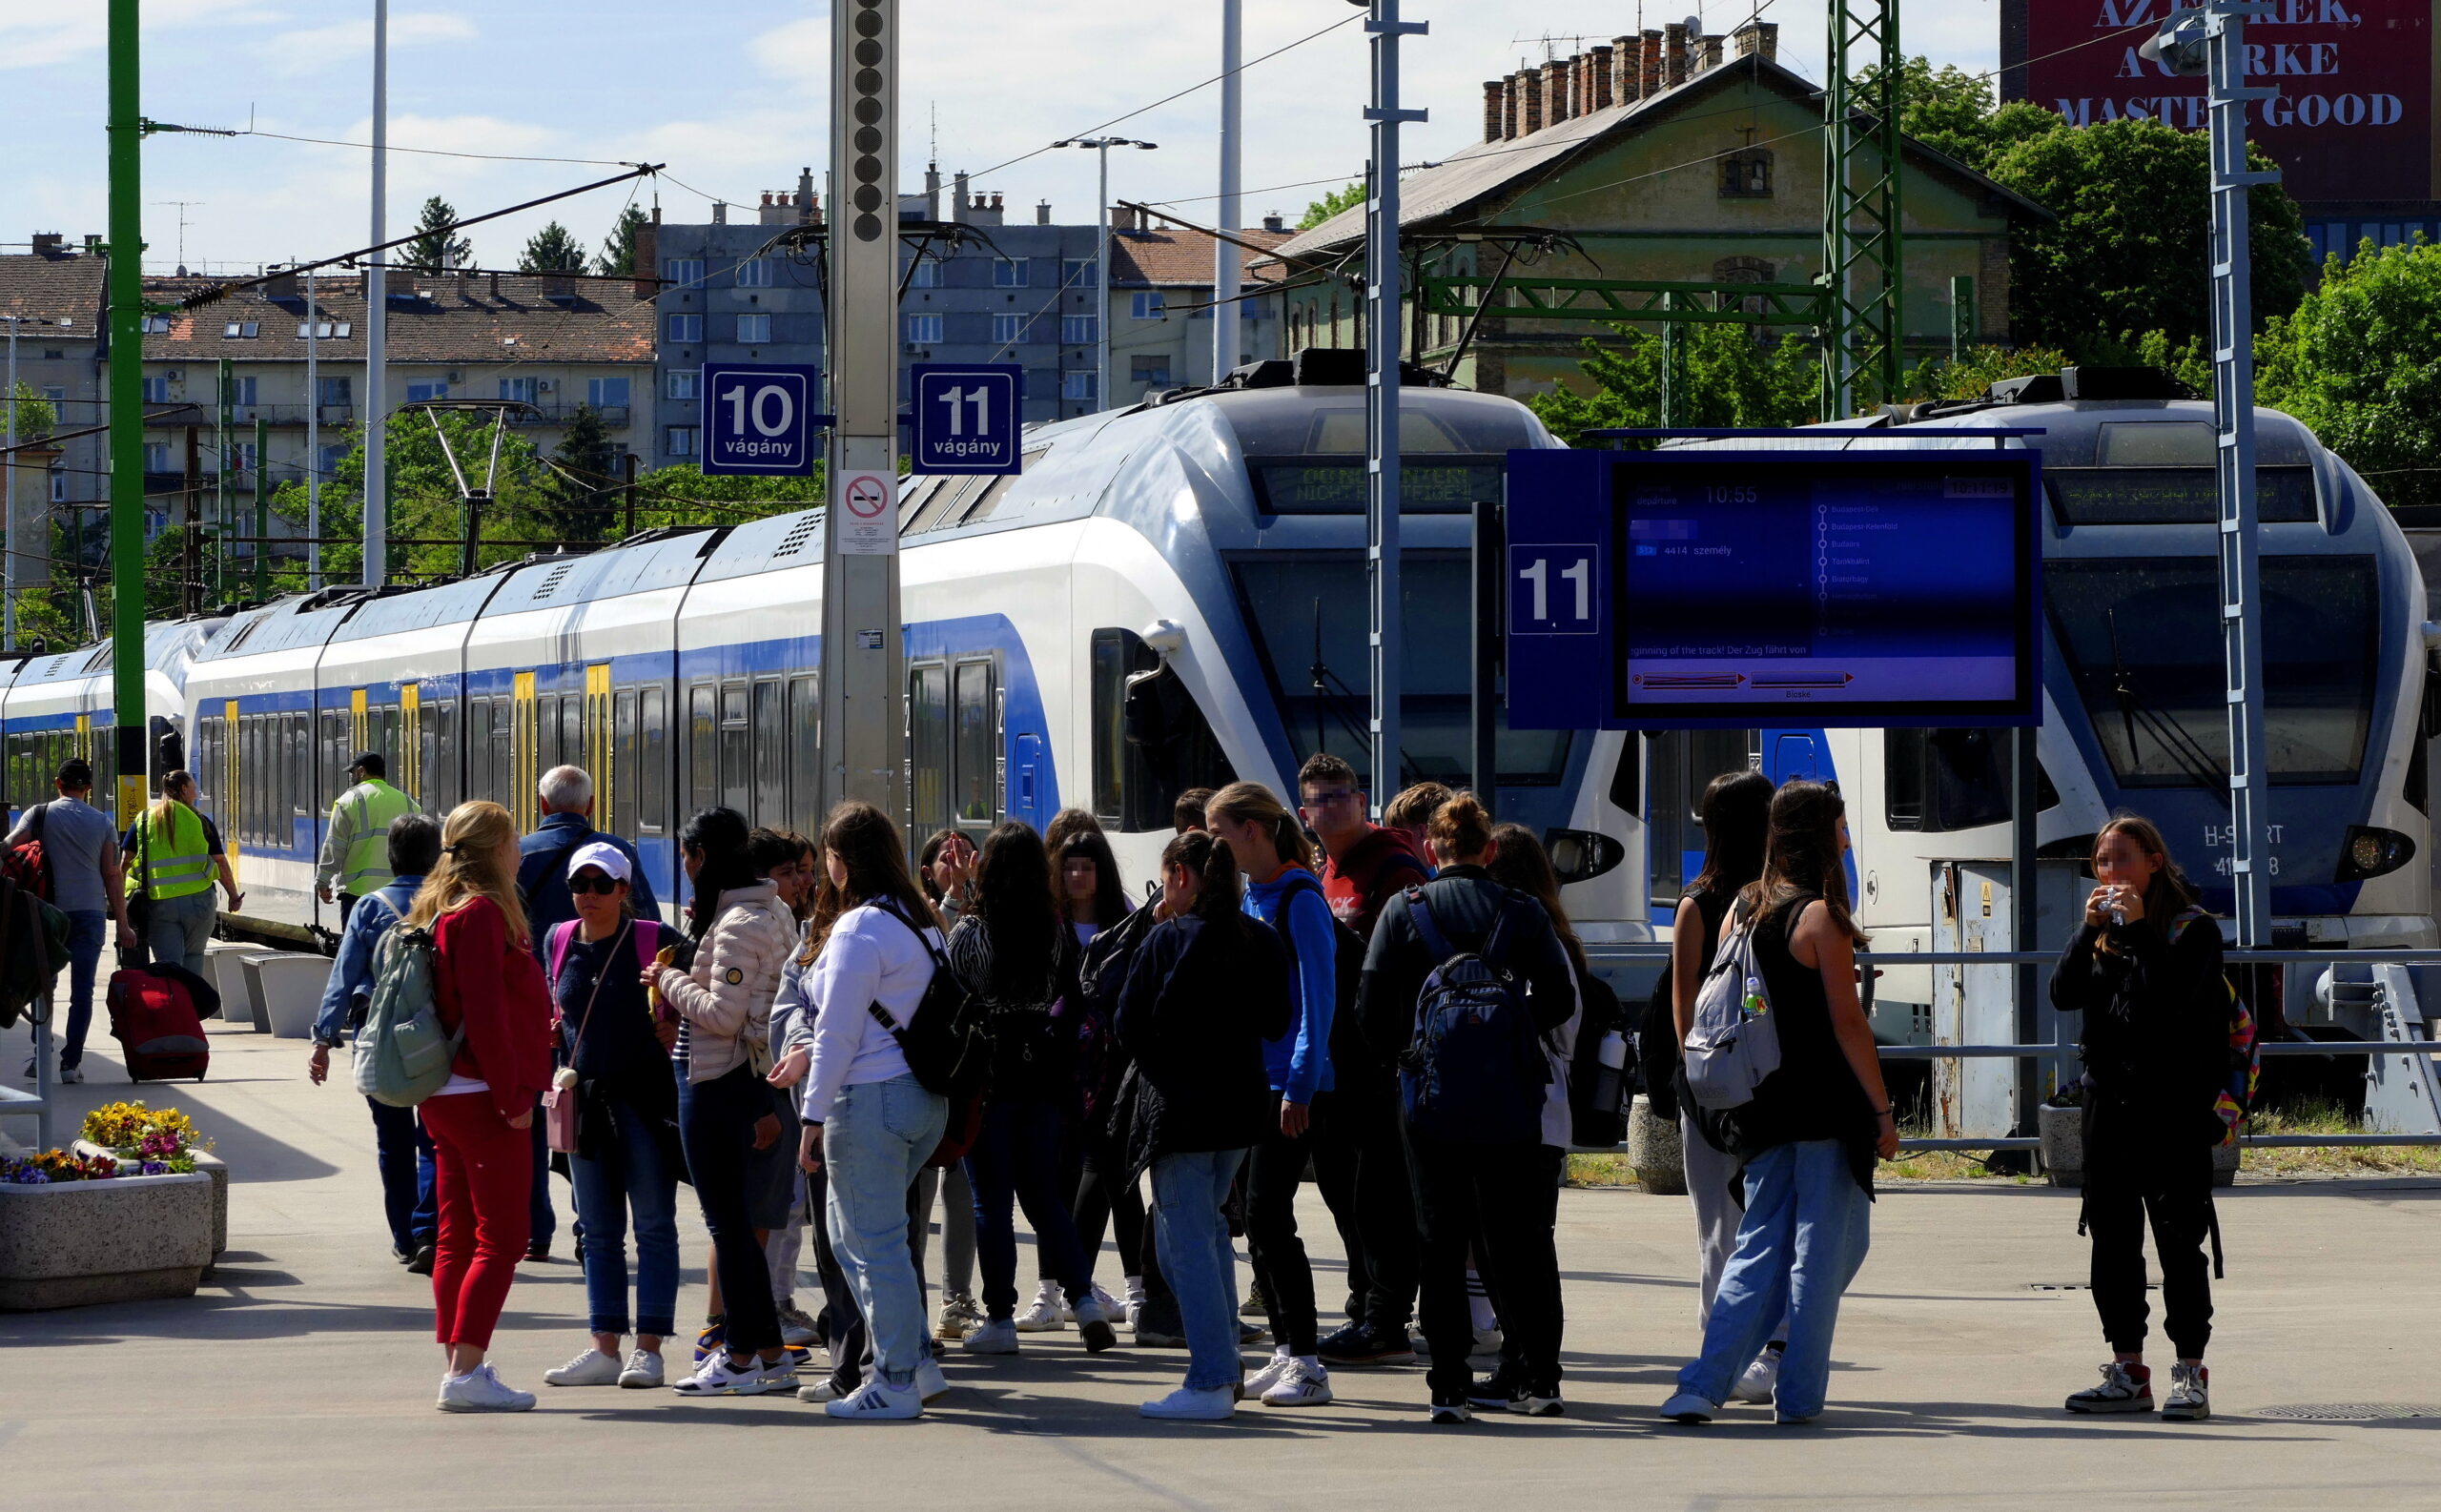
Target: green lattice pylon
(1862, 357)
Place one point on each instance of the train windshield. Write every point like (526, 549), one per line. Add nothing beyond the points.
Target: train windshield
(2173, 495)
(2143, 641)
(1306, 456)
(1308, 617)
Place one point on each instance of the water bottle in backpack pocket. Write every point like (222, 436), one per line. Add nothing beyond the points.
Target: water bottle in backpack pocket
(1734, 1044)
(1475, 1073)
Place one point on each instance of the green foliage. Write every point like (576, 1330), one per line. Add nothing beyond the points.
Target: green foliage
(34, 415)
(2356, 364)
(1941, 378)
(2130, 250)
(618, 256)
(553, 249)
(584, 479)
(1331, 204)
(435, 247)
(1732, 378)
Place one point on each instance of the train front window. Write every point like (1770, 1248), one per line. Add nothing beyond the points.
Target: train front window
(1309, 620)
(2173, 495)
(2143, 642)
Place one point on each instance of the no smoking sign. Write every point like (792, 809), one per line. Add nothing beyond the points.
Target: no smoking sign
(867, 525)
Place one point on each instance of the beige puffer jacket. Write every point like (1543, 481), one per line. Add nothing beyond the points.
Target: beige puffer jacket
(725, 998)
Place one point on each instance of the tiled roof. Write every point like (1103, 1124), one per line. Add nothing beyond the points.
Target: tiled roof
(53, 289)
(432, 318)
(1172, 257)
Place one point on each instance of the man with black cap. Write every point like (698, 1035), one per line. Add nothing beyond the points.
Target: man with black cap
(355, 849)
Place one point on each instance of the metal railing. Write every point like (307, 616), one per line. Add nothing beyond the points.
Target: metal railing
(39, 1104)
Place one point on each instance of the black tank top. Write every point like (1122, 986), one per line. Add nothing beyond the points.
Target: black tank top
(1815, 1095)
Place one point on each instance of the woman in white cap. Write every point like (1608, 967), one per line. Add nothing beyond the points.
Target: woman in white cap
(613, 1049)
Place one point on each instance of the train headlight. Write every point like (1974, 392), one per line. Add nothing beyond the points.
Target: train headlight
(1579, 855)
(2369, 852)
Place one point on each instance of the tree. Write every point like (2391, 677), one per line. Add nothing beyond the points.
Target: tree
(2130, 248)
(1331, 204)
(1732, 378)
(436, 245)
(2354, 362)
(618, 256)
(552, 249)
(1953, 113)
(580, 487)
(33, 413)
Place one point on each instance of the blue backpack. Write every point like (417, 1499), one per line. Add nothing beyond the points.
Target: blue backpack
(1475, 1073)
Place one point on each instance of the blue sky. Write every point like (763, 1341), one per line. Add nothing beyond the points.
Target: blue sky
(731, 96)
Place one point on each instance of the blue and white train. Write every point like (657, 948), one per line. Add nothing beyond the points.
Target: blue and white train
(1165, 598)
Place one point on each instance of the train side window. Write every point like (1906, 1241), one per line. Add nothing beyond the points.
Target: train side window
(623, 793)
(1116, 656)
(805, 751)
(443, 718)
(571, 731)
(652, 812)
(300, 777)
(502, 779)
(703, 746)
(1170, 749)
(928, 750)
(479, 746)
(771, 753)
(1936, 781)
(976, 775)
(737, 750)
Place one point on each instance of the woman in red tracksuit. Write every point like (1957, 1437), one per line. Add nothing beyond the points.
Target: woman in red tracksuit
(487, 984)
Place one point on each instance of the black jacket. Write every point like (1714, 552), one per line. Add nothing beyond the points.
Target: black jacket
(1464, 901)
(2156, 1042)
(1199, 1003)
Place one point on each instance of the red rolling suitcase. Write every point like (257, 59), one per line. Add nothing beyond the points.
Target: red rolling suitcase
(156, 1015)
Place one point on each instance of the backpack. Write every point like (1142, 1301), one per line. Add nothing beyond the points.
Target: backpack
(402, 1055)
(945, 1044)
(1734, 1045)
(1476, 1071)
(1100, 1063)
(2235, 1100)
(1657, 1036)
(1350, 1055)
(28, 864)
(1601, 1073)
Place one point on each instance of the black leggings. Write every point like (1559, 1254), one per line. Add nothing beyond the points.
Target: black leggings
(1274, 1169)
(716, 1122)
(1107, 1198)
(2174, 1190)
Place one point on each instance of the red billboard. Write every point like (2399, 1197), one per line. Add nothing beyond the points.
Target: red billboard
(2353, 118)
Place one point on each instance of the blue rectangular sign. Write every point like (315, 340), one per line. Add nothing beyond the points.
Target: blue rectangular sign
(759, 419)
(966, 417)
(1696, 588)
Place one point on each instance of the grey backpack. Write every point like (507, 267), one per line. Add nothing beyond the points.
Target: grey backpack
(1735, 1042)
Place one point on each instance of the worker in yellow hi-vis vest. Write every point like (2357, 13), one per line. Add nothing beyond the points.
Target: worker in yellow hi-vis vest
(172, 853)
(356, 851)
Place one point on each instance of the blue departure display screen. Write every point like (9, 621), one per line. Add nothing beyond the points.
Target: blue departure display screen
(1852, 585)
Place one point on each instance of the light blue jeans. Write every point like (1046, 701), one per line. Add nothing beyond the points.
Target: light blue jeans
(1192, 1240)
(180, 928)
(1806, 1229)
(875, 1144)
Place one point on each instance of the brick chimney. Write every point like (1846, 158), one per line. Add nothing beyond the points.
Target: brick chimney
(1530, 102)
(1673, 54)
(648, 261)
(1649, 68)
(1042, 214)
(1769, 45)
(1554, 92)
(50, 244)
(1602, 80)
(1626, 66)
(1494, 108)
(805, 196)
(1712, 52)
(958, 196)
(1582, 79)
(1513, 105)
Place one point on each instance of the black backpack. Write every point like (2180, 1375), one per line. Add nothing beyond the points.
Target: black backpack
(1598, 1094)
(945, 1045)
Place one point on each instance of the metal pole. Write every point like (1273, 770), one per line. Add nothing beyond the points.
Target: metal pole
(1226, 258)
(1485, 759)
(1101, 281)
(190, 558)
(262, 507)
(313, 444)
(864, 690)
(631, 495)
(8, 493)
(127, 408)
(2233, 413)
(1382, 389)
(2024, 900)
(1962, 316)
(377, 311)
(223, 417)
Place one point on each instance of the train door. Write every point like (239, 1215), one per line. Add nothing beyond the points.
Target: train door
(977, 759)
(522, 745)
(805, 750)
(1789, 755)
(598, 732)
(409, 754)
(928, 751)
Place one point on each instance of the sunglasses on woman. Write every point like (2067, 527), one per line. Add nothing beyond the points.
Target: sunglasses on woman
(605, 885)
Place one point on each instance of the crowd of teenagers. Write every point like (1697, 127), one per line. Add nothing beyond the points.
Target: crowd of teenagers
(836, 1039)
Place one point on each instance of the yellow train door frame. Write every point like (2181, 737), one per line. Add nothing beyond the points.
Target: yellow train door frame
(410, 755)
(359, 736)
(521, 747)
(227, 797)
(599, 746)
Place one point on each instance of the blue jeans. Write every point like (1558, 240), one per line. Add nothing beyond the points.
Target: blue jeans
(1806, 1229)
(403, 1152)
(633, 1175)
(1018, 1156)
(177, 929)
(541, 1223)
(1192, 1240)
(87, 928)
(875, 1144)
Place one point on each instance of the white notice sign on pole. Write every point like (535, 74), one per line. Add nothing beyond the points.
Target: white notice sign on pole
(868, 519)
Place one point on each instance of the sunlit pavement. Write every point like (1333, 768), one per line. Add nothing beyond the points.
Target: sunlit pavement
(301, 1376)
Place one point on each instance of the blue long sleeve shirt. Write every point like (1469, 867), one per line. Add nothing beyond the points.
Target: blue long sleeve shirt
(351, 973)
(1298, 1062)
(543, 873)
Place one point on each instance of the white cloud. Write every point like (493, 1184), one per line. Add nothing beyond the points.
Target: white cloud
(36, 35)
(314, 49)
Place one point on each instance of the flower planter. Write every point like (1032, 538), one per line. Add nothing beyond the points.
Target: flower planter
(1653, 1150)
(130, 1239)
(206, 1164)
(2062, 1131)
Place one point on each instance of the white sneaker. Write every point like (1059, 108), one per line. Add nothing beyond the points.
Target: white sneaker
(877, 1400)
(931, 1385)
(1135, 1304)
(1304, 1385)
(593, 1368)
(716, 1376)
(1688, 1408)
(481, 1390)
(959, 1317)
(1108, 1303)
(1488, 1343)
(824, 1390)
(1760, 1377)
(1045, 1314)
(1275, 1370)
(1093, 1323)
(71, 1075)
(642, 1372)
(1188, 1405)
(2190, 1398)
(797, 1329)
(997, 1337)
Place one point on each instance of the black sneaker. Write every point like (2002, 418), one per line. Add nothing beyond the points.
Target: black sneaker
(1358, 1345)
(422, 1264)
(1492, 1393)
(1448, 1411)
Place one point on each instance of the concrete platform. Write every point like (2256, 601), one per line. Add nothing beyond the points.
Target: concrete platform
(303, 1373)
